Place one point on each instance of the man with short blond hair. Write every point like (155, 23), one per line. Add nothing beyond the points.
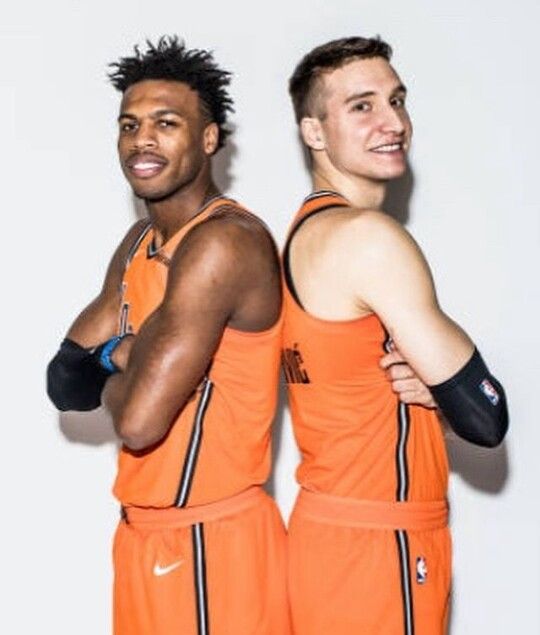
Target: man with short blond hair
(369, 543)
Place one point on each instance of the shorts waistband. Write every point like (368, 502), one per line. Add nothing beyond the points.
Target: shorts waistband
(153, 517)
(350, 512)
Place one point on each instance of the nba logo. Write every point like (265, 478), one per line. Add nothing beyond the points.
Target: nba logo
(421, 570)
(487, 388)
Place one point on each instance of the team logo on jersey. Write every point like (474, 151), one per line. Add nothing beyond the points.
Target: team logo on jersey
(160, 570)
(293, 363)
(489, 391)
(421, 570)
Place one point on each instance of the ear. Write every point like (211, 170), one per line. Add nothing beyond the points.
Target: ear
(210, 138)
(312, 133)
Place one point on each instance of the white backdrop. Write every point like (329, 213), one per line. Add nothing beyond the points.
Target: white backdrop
(471, 201)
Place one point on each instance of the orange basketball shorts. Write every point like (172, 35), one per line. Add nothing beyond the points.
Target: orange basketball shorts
(216, 569)
(368, 568)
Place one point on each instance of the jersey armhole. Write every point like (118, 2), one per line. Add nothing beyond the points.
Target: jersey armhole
(286, 250)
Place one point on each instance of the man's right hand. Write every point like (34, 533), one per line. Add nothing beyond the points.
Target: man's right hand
(120, 355)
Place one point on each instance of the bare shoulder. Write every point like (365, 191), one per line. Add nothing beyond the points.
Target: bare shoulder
(374, 234)
(236, 223)
(384, 259)
(229, 265)
(241, 240)
(346, 231)
(232, 249)
(373, 224)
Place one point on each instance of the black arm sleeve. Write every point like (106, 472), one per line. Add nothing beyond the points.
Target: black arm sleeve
(474, 404)
(75, 378)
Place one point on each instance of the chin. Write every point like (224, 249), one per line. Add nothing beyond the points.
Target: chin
(392, 173)
(149, 193)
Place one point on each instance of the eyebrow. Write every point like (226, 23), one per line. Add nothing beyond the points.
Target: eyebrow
(370, 93)
(155, 115)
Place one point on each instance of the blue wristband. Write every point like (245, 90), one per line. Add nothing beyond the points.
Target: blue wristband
(109, 347)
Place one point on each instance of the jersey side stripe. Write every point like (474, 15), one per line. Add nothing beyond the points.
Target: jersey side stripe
(406, 591)
(402, 492)
(199, 564)
(401, 452)
(194, 444)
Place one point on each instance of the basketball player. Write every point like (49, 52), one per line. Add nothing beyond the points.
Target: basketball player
(182, 346)
(369, 542)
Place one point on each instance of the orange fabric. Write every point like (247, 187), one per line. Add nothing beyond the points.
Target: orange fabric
(214, 569)
(346, 579)
(220, 443)
(349, 512)
(372, 514)
(169, 517)
(344, 413)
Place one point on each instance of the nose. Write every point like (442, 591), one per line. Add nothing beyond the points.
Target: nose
(394, 120)
(145, 136)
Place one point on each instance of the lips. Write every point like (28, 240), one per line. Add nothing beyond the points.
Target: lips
(145, 166)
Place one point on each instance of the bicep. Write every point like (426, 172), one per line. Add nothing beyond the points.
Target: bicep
(398, 286)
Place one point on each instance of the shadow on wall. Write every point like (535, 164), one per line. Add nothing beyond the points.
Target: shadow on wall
(90, 428)
(485, 469)
(398, 197)
(222, 164)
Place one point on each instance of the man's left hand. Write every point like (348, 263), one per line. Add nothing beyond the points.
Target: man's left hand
(405, 383)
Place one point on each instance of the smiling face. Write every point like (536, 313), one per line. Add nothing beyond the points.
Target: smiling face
(165, 139)
(361, 124)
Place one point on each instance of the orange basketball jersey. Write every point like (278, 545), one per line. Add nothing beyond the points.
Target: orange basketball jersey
(369, 548)
(356, 439)
(220, 443)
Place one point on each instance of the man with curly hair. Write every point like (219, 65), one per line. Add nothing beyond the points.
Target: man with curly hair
(182, 347)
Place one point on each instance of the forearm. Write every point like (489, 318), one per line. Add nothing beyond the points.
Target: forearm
(113, 398)
(163, 370)
(474, 403)
(433, 344)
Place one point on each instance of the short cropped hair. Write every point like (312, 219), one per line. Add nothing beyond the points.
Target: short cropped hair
(325, 58)
(170, 60)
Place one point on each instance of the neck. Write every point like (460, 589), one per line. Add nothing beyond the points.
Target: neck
(170, 214)
(362, 192)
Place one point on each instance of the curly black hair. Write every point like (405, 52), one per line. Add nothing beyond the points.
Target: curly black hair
(170, 60)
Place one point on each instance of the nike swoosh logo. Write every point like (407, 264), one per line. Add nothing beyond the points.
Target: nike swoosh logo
(159, 570)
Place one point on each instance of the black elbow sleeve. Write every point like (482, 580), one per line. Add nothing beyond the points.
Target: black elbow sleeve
(75, 378)
(474, 404)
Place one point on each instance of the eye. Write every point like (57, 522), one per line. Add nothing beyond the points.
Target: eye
(128, 126)
(167, 123)
(361, 106)
(398, 102)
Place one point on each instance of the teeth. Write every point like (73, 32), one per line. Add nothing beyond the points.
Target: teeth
(391, 147)
(146, 166)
